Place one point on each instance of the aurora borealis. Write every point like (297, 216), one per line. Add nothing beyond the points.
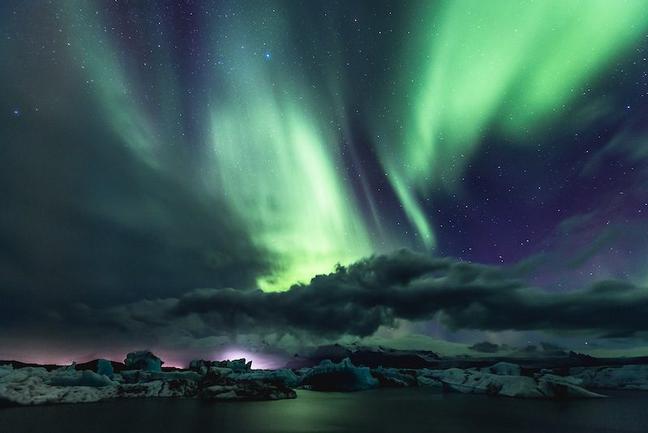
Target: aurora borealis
(271, 159)
(510, 68)
(158, 152)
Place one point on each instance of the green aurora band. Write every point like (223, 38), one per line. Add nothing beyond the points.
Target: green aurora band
(104, 71)
(465, 67)
(277, 162)
(474, 66)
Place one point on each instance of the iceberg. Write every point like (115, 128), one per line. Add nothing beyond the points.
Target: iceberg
(143, 360)
(140, 376)
(479, 382)
(344, 376)
(78, 378)
(236, 365)
(29, 386)
(285, 376)
(105, 367)
(393, 377)
(616, 377)
(248, 390)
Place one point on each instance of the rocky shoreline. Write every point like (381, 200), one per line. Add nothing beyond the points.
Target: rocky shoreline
(141, 376)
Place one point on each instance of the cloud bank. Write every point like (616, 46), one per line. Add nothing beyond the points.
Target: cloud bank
(353, 301)
(377, 291)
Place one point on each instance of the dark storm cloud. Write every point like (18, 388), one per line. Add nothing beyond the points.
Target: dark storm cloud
(83, 219)
(485, 347)
(377, 291)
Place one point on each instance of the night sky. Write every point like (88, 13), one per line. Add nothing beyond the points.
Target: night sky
(174, 173)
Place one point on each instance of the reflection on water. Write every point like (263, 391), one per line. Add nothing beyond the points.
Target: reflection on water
(397, 410)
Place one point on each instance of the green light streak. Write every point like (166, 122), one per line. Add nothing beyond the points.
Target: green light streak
(276, 160)
(106, 77)
(474, 67)
(273, 154)
(413, 211)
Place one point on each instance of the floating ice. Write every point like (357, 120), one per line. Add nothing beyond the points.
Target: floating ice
(344, 376)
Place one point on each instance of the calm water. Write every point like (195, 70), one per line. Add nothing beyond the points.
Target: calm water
(393, 411)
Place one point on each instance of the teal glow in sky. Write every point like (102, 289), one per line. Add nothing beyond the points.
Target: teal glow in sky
(102, 68)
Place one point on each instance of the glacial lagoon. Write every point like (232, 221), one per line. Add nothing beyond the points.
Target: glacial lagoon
(411, 410)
